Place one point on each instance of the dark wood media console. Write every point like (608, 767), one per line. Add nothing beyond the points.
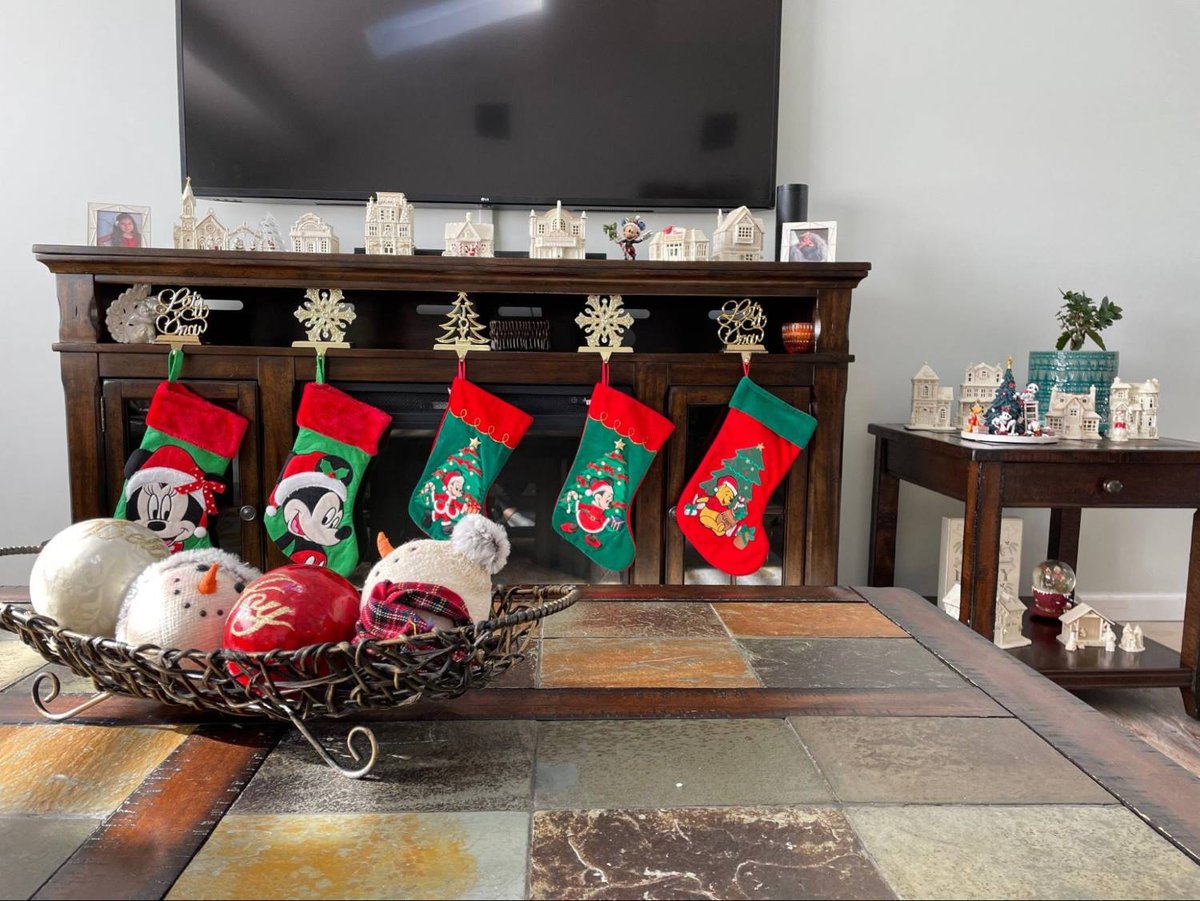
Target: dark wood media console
(247, 364)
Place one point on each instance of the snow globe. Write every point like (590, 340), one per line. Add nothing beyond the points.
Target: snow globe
(1053, 585)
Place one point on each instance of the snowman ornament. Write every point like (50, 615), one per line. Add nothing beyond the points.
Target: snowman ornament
(182, 602)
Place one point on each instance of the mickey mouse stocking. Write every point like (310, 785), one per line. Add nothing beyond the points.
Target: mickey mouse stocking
(310, 514)
(619, 443)
(721, 509)
(173, 479)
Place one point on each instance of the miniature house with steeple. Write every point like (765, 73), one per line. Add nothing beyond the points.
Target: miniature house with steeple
(738, 236)
(557, 235)
(312, 234)
(677, 243)
(930, 403)
(469, 239)
(389, 224)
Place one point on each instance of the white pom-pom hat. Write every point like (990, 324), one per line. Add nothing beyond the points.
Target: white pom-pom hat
(477, 550)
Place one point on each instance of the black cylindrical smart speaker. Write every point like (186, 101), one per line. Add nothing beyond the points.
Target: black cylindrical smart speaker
(791, 205)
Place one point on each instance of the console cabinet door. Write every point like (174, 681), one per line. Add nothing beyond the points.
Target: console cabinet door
(698, 413)
(126, 401)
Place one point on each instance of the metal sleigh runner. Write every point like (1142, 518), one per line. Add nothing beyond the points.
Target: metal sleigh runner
(162, 615)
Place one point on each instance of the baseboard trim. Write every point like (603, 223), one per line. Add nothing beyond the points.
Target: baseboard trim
(1134, 607)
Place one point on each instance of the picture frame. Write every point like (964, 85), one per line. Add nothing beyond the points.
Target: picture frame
(808, 242)
(105, 218)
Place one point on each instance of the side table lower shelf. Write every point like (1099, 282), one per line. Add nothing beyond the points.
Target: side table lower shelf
(1155, 667)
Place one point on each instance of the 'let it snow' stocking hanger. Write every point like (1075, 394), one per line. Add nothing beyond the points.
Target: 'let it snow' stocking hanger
(180, 318)
(740, 327)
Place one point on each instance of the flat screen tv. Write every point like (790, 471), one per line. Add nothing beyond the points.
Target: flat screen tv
(618, 103)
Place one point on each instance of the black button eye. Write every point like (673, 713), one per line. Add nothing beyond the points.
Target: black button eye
(220, 613)
(239, 587)
(186, 604)
(201, 568)
(204, 613)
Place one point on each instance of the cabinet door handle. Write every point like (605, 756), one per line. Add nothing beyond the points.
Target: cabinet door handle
(247, 513)
(1112, 486)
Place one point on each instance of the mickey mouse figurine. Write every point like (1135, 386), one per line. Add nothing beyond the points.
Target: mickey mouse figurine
(632, 232)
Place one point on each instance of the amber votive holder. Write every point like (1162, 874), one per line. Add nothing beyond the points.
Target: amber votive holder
(799, 337)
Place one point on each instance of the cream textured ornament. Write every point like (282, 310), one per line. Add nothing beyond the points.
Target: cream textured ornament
(478, 548)
(82, 575)
(182, 602)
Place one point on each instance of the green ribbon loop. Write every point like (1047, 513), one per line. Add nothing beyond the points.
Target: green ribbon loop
(320, 369)
(174, 364)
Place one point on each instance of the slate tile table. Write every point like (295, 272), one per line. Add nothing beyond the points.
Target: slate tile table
(1065, 477)
(659, 742)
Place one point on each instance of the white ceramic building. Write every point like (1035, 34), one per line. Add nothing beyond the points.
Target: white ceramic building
(312, 234)
(1086, 624)
(389, 224)
(1074, 416)
(1007, 631)
(1135, 405)
(469, 239)
(738, 236)
(978, 387)
(677, 243)
(557, 234)
(930, 403)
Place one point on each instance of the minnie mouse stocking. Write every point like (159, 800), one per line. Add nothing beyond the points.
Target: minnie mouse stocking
(721, 509)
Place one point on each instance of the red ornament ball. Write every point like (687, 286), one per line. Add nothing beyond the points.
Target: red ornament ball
(292, 607)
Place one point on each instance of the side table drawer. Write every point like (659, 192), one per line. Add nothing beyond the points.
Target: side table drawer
(1101, 485)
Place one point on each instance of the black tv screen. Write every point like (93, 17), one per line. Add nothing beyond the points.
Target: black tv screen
(658, 103)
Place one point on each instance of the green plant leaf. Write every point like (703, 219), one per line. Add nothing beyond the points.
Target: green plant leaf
(1095, 336)
(1062, 340)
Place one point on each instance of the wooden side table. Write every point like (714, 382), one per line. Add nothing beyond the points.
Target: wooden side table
(1065, 477)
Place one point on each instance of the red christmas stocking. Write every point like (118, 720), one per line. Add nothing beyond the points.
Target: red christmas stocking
(721, 509)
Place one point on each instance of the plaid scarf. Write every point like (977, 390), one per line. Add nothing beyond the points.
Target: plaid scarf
(393, 610)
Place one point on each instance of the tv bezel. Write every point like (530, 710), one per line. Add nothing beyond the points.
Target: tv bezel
(767, 201)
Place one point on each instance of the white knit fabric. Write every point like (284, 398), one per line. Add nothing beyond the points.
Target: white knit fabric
(444, 563)
(166, 608)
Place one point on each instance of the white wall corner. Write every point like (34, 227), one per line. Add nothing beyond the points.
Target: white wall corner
(1136, 607)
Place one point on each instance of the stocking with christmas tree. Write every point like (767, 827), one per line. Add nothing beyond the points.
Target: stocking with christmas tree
(310, 513)
(721, 508)
(173, 479)
(619, 442)
(477, 434)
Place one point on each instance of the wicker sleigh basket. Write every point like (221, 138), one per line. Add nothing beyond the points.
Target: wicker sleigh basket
(324, 680)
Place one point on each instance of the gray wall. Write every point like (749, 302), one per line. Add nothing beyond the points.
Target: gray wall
(980, 155)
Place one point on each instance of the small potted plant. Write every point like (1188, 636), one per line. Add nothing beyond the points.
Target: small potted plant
(1069, 367)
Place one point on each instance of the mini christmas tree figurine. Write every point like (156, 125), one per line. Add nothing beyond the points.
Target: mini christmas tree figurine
(462, 331)
(722, 506)
(1006, 415)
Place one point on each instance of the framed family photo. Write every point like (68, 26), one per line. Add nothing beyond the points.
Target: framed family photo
(118, 225)
(808, 242)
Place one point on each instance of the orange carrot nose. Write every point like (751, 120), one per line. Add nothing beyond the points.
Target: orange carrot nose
(208, 581)
(385, 546)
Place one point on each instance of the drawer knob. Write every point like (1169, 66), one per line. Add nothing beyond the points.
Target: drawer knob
(1112, 486)
(247, 513)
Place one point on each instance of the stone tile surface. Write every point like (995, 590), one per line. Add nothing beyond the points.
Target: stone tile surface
(730, 852)
(673, 763)
(522, 674)
(815, 620)
(369, 855)
(644, 663)
(943, 760)
(848, 663)
(17, 661)
(34, 847)
(81, 770)
(635, 619)
(482, 765)
(1023, 852)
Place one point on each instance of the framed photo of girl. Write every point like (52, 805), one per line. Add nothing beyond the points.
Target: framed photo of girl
(118, 225)
(808, 242)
